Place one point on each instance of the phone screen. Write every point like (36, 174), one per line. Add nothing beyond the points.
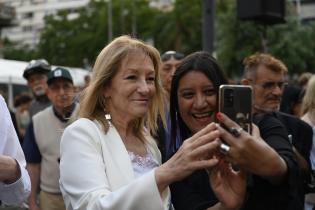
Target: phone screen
(236, 102)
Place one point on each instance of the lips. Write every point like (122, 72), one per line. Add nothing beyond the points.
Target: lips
(142, 100)
(202, 115)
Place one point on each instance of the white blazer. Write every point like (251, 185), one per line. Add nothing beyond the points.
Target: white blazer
(96, 172)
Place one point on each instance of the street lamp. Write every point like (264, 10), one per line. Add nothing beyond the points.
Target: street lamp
(110, 20)
(208, 25)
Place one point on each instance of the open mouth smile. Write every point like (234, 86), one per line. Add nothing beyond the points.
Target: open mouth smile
(202, 115)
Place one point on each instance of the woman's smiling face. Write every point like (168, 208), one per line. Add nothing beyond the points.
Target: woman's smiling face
(197, 100)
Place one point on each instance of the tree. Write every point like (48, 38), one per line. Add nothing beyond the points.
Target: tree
(291, 42)
(17, 52)
(76, 42)
(180, 29)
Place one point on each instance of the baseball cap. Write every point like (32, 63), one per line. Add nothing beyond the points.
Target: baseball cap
(36, 66)
(57, 73)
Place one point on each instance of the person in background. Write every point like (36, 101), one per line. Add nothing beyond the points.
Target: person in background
(303, 79)
(36, 75)
(266, 75)
(21, 104)
(170, 61)
(109, 159)
(14, 180)
(42, 141)
(308, 115)
(87, 80)
(292, 100)
(268, 160)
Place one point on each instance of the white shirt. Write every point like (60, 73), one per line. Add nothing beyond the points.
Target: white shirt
(18, 191)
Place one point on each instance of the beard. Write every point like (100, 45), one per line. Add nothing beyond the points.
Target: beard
(39, 92)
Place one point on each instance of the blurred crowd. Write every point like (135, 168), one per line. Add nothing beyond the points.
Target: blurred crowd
(145, 133)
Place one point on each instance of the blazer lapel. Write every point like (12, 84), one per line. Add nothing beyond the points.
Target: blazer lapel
(120, 159)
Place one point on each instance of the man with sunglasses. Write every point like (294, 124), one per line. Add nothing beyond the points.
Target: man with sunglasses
(170, 61)
(266, 75)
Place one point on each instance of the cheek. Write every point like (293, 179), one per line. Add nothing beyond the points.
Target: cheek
(152, 90)
(184, 106)
(212, 101)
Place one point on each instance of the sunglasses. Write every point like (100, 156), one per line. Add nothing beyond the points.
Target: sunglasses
(272, 85)
(169, 54)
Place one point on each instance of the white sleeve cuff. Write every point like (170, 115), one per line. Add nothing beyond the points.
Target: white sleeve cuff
(17, 192)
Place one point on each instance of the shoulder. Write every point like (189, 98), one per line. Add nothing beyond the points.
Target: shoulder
(42, 113)
(83, 124)
(270, 125)
(81, 132)
(268, 118)
(293, 123)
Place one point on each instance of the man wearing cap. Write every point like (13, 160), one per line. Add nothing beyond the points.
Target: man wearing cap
(41, 145)
(36, 75)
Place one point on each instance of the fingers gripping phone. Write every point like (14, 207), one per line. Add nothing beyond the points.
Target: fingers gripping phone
(235, 101)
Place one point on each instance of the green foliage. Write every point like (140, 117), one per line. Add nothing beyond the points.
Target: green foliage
(77, 41)
(14, 52)
(180, 29)
(291, 42)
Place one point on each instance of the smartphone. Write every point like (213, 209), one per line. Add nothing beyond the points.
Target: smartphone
(235, 101)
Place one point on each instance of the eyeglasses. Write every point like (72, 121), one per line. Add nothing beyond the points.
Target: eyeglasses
(272, 85)
(169, 54)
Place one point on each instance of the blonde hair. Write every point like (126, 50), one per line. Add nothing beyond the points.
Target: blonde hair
(308, 104)
(107, 64)
(252, 62)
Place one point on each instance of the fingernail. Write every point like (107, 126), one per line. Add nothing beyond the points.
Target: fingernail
(219, 115)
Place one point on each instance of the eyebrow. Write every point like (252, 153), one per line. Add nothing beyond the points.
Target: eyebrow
(132, 70)
(208, 86)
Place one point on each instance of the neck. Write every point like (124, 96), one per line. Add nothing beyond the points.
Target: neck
(64, 112)
(258, 109)
(124, 127)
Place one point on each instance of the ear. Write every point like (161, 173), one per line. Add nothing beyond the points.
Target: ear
(106, 92)
(245, 82)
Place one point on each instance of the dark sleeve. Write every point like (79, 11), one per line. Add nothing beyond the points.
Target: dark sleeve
(276, 136)
(193, 192)
(301, 132)
(263, 194)
(30, 148)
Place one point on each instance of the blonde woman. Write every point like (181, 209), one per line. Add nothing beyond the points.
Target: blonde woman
(308, 111)
(108, 158)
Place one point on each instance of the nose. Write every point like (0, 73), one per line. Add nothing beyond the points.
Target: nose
(200, 102)
(61, 91)
(277, 91)
(143, 87)
(173, 70)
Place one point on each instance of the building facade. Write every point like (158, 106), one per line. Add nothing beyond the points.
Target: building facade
(30, 17)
